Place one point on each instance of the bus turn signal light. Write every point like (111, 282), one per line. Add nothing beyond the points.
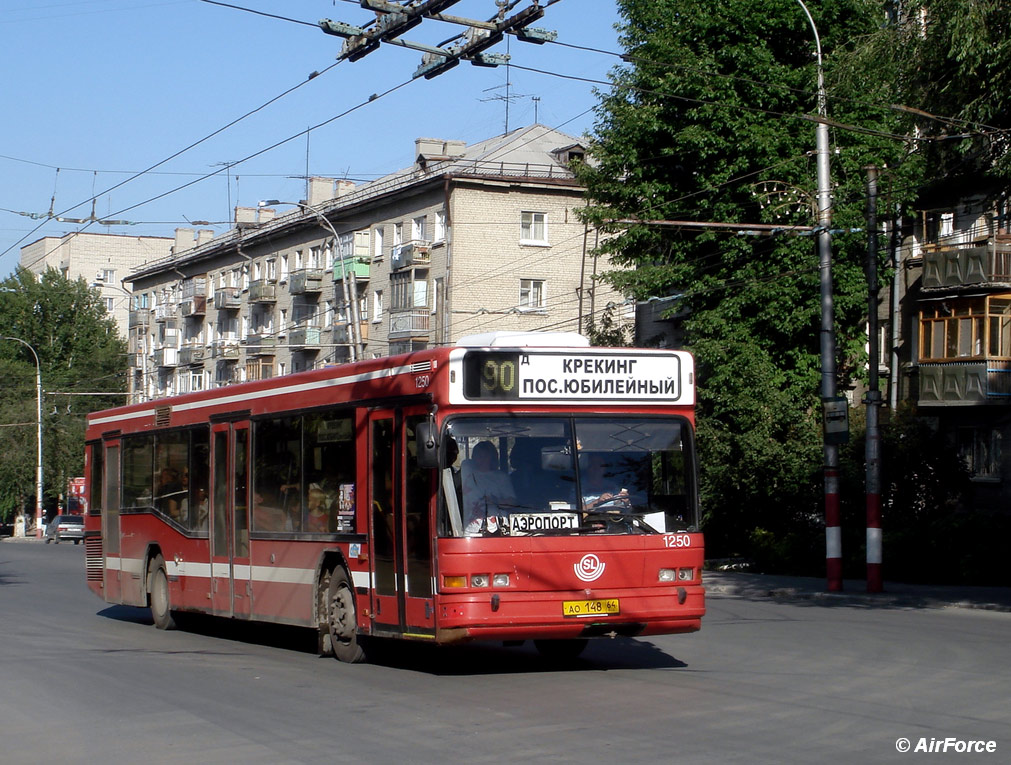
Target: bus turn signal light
(454, 581)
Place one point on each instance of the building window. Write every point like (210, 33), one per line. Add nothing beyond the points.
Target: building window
(272, 269)
(110, 304)
(408, 289)
(346, 246)
(377, 306)
(398, 234)
(439, 235)
(966, 328)
(533, 228)
(284, 268)
(400, 289)
(377, 243)
(362, 244)
(532, 295)
(109, 275)
(980, 449)
(419, 228)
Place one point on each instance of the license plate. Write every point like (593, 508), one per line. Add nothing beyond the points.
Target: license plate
(590, 607)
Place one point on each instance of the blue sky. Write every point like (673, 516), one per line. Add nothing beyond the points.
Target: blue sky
(103, 89)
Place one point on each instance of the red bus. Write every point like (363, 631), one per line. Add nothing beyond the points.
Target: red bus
(514, 487)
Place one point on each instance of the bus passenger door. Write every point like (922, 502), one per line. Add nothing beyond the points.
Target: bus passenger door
(231, 592)
(400, 495)
(112, 568)
(419, 496)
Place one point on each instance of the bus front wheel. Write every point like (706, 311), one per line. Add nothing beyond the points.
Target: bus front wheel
(342, 621)
(161, 610)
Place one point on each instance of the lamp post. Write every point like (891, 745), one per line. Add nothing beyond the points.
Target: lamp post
(833, 532)
(350, 286)
(101, 284)
(38, 419)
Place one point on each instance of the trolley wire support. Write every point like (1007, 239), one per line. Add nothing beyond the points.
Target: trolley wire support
(394, 19)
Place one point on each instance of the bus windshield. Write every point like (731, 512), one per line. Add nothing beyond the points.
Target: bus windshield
(537, 476)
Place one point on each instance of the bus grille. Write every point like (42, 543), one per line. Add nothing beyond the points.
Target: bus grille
(93, 558)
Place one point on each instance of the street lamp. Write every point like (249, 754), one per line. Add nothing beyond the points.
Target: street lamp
(350, 285)
(833, 532)
(38, 418)
(101, 284)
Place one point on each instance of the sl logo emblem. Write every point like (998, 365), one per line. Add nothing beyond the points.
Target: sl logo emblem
(589, 568)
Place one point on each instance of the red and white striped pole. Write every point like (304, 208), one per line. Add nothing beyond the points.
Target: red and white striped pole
(833, 529)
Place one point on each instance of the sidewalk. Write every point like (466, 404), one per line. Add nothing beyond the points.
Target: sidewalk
(737, 584)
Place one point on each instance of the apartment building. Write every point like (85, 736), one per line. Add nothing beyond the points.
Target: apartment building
(468, 239)
(958, 264)
(100, 259)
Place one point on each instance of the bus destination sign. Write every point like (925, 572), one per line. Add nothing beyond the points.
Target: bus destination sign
(547, 376)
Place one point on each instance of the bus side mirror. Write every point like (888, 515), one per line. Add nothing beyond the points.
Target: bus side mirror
(426, 448)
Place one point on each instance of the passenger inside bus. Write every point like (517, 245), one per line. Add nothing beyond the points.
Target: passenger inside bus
(317, 518)
(488, 495)
(267, 515)
(170, 492)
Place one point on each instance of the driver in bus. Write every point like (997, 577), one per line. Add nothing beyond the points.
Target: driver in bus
(488, 496)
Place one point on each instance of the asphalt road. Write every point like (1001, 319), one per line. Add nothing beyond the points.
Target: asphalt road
(764, 681)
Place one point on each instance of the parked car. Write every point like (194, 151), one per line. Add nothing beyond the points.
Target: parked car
(65, 527)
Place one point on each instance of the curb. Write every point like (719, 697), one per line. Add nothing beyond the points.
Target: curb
(927, 598)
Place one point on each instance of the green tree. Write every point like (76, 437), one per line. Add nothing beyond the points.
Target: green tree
(710, 120)
(79, 351)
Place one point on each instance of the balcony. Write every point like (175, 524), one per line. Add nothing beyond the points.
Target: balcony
(194, 306)
(306, 338)
(164, 312)
(306, 281)
(225, 350)
(166, 357)
(965, 383)
(135, 360)
(357, 267)
(416, 252)
(260, 344)
(192, 354)
(409, 323)
(260, 369)
(195, 286)
(262, 291)
(341, 335)
(227, 299)
(139, 317)
(957, 266)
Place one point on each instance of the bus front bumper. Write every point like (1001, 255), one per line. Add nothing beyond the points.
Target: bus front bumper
(511, 615)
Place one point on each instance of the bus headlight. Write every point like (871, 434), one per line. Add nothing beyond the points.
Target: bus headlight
(668, 574)
(479, 580)
(686, 574)
(500, 580)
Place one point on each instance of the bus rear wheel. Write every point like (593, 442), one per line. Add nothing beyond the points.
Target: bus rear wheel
(342, 621)
(161, 610)
(561, 650)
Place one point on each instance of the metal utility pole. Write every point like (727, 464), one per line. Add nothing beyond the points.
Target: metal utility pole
(38, 434)
(349, 282)
(873, 397)
(830, 403)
